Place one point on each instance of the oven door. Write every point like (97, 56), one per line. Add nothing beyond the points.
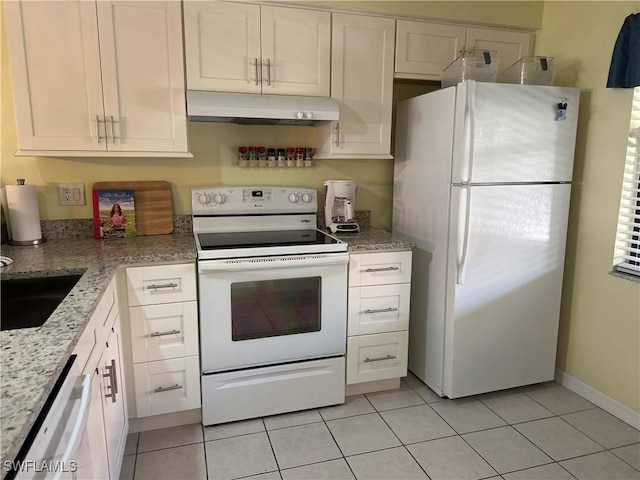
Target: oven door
(269, 310)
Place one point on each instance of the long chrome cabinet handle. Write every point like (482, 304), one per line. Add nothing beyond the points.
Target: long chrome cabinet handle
(113, 133)
(337, 134)
(255, 63)
(382, 310)
(98, 121)
(163, 285)
(379, 359)
(382, 269)
(113, 386)
(162, 334)
(166, 389)
(269, 71)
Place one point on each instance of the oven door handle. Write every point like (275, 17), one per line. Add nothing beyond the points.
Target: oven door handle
(264, 263)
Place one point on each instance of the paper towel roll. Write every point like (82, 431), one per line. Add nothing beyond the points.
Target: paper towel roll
(23, 214)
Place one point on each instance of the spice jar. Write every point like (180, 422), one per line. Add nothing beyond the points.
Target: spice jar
(300, 157)
(253, 156)
(242, 156)
(281, 159)
(271, 157)
(308, 157)
(262, 157)
(291, 157)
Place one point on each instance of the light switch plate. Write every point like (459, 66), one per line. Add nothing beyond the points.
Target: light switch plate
(71, 194)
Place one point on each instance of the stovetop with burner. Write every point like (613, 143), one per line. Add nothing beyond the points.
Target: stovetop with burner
(257, 220)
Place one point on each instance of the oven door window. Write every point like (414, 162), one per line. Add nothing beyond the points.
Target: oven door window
(269, 308)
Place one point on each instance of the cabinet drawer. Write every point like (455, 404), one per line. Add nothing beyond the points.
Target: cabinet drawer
(161, 332)
(379, 268)
(379, 309)
(377, 357)
(167, 386)
(161, 284)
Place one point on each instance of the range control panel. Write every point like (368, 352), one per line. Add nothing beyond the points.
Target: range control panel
(253, 199)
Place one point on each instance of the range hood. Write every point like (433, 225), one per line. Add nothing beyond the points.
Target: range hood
(250, 109)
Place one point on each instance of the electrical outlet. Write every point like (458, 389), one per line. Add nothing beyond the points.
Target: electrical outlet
(71, 193)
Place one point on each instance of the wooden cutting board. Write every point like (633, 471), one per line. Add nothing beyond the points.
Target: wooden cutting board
(154, 208)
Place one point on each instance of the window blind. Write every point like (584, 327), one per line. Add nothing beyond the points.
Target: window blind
(627, 249)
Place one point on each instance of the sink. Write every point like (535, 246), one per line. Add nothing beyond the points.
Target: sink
(29, 302)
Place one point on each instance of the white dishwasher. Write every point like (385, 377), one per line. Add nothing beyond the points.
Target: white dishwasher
(50, 450)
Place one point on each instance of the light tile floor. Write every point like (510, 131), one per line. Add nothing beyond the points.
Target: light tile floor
(538, 432)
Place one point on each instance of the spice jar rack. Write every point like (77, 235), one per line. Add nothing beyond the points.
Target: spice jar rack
(275, 157)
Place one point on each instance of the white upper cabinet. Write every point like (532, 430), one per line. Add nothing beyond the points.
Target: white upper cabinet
(362, 83)
(425, 49)
(247, 48)
(509, 46)
(97, 78)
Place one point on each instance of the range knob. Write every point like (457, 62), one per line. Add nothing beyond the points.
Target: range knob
(293, 197)
(204, 198)
(306, 198)
(219, 198)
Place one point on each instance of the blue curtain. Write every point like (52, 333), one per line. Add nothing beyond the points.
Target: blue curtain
(625, 61)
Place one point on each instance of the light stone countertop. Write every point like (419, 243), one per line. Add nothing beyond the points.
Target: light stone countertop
(31, 359)
(373, 240)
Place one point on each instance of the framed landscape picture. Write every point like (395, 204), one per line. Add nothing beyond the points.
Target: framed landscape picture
(114, 213)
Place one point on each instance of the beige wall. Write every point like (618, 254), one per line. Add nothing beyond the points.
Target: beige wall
(601, 314)
(214, 146)
(520, 14)
(599, 340)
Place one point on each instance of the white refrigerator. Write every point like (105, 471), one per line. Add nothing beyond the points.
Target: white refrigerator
(482, 180)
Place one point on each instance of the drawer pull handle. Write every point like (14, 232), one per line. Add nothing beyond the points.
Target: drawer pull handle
(382, 269)
(163, 285)
(379, 359)
(162, 334)
(382, 310)
(166, 389)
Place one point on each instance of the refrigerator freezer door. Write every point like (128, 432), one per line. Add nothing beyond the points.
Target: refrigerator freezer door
(504, 282)
(514, 133)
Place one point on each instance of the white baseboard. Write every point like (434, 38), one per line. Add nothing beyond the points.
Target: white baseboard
(611, 405)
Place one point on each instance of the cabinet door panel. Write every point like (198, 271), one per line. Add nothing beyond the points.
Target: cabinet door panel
(167, 386)
(55, 63)
(297, 45)
(362, 82)
(378, 309)
(152, 328)
(222, 43)
(509, 46)
(142, 68)
(426, 48)
(114, 401)
(377, 357)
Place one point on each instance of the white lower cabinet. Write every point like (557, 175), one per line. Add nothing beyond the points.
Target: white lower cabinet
(167, 386)
(101, 448)
(163, 324)
(113, 400)
(378, 316)
(377, 357)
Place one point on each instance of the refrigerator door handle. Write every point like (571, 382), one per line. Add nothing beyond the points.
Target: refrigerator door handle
(460, 279)
(470, 118)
